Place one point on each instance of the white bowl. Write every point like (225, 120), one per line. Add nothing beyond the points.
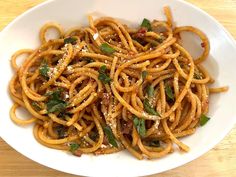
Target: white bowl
(23, 33)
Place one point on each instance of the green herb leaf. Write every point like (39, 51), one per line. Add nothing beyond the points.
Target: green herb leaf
(61, 131)
(160, 39)
(56, 106)
(87, 59)
(93, 135)
(197, 75)
(154, 143)
(55, 103)
(70, 40)
(150, 91)
(144, 74)
(204, 119)
(103, 76)
(140, 126)
(169, 92)
(146, 24)
(110, 136)
(148, 108)
(56, 94)
(74, 147)
(36, 106)
(105, 48)
(44, 69)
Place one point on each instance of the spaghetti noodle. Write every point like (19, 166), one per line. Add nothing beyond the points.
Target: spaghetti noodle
(106, 87)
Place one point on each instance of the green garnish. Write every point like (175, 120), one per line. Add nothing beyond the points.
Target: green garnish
(144, 74)
(87, 59)
(204, 119)
(148, 108)
(169, 92)
(154, 143)
(150, 91)
(146, 24)
(140, 126)
(36, 106)
(105, 48)
(74, 147)
(55, 106)
(110, 136)
(103, 76)
(160, 39)
(61, 131)
(55, 103)
(44, 69)
(197, 75)
(70, 40)
(93, 135)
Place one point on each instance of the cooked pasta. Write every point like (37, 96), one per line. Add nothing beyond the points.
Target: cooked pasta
(106, 87)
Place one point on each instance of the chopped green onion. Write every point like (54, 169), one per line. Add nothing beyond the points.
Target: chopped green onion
(140, 126)
(144, 74)
(148, 108)
(150, 91)
(105, 48)
(44, 69)
(146, 24)
(169, 92)
(110, 136)
(70, 40)
(204, 119)
(103, 76)
(74, 147)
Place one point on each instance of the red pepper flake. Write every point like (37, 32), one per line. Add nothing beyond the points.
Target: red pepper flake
(203, 44)
(127, 127)
(78, 153)
(141, 32)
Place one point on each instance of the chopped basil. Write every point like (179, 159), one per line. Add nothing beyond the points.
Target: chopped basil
(55, 103)
(110, 136)
(103, 76)
(150, 91)
(105, 48)
(74, 147)
(154, 143)
(93, 135)
(36, 106)
(148, 108)
(197, 75)
(169, 92)
(56, 106)
(144, 74)
(146, 24)
(70, 40)
(140, 126)
(87, 59)
(61, 131)
(160, 39)
(44, 69)
(54, 94)
(204, 119)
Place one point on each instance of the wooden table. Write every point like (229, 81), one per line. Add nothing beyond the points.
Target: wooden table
(219, 162)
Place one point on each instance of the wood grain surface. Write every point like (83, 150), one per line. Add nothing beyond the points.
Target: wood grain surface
(218, 162)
